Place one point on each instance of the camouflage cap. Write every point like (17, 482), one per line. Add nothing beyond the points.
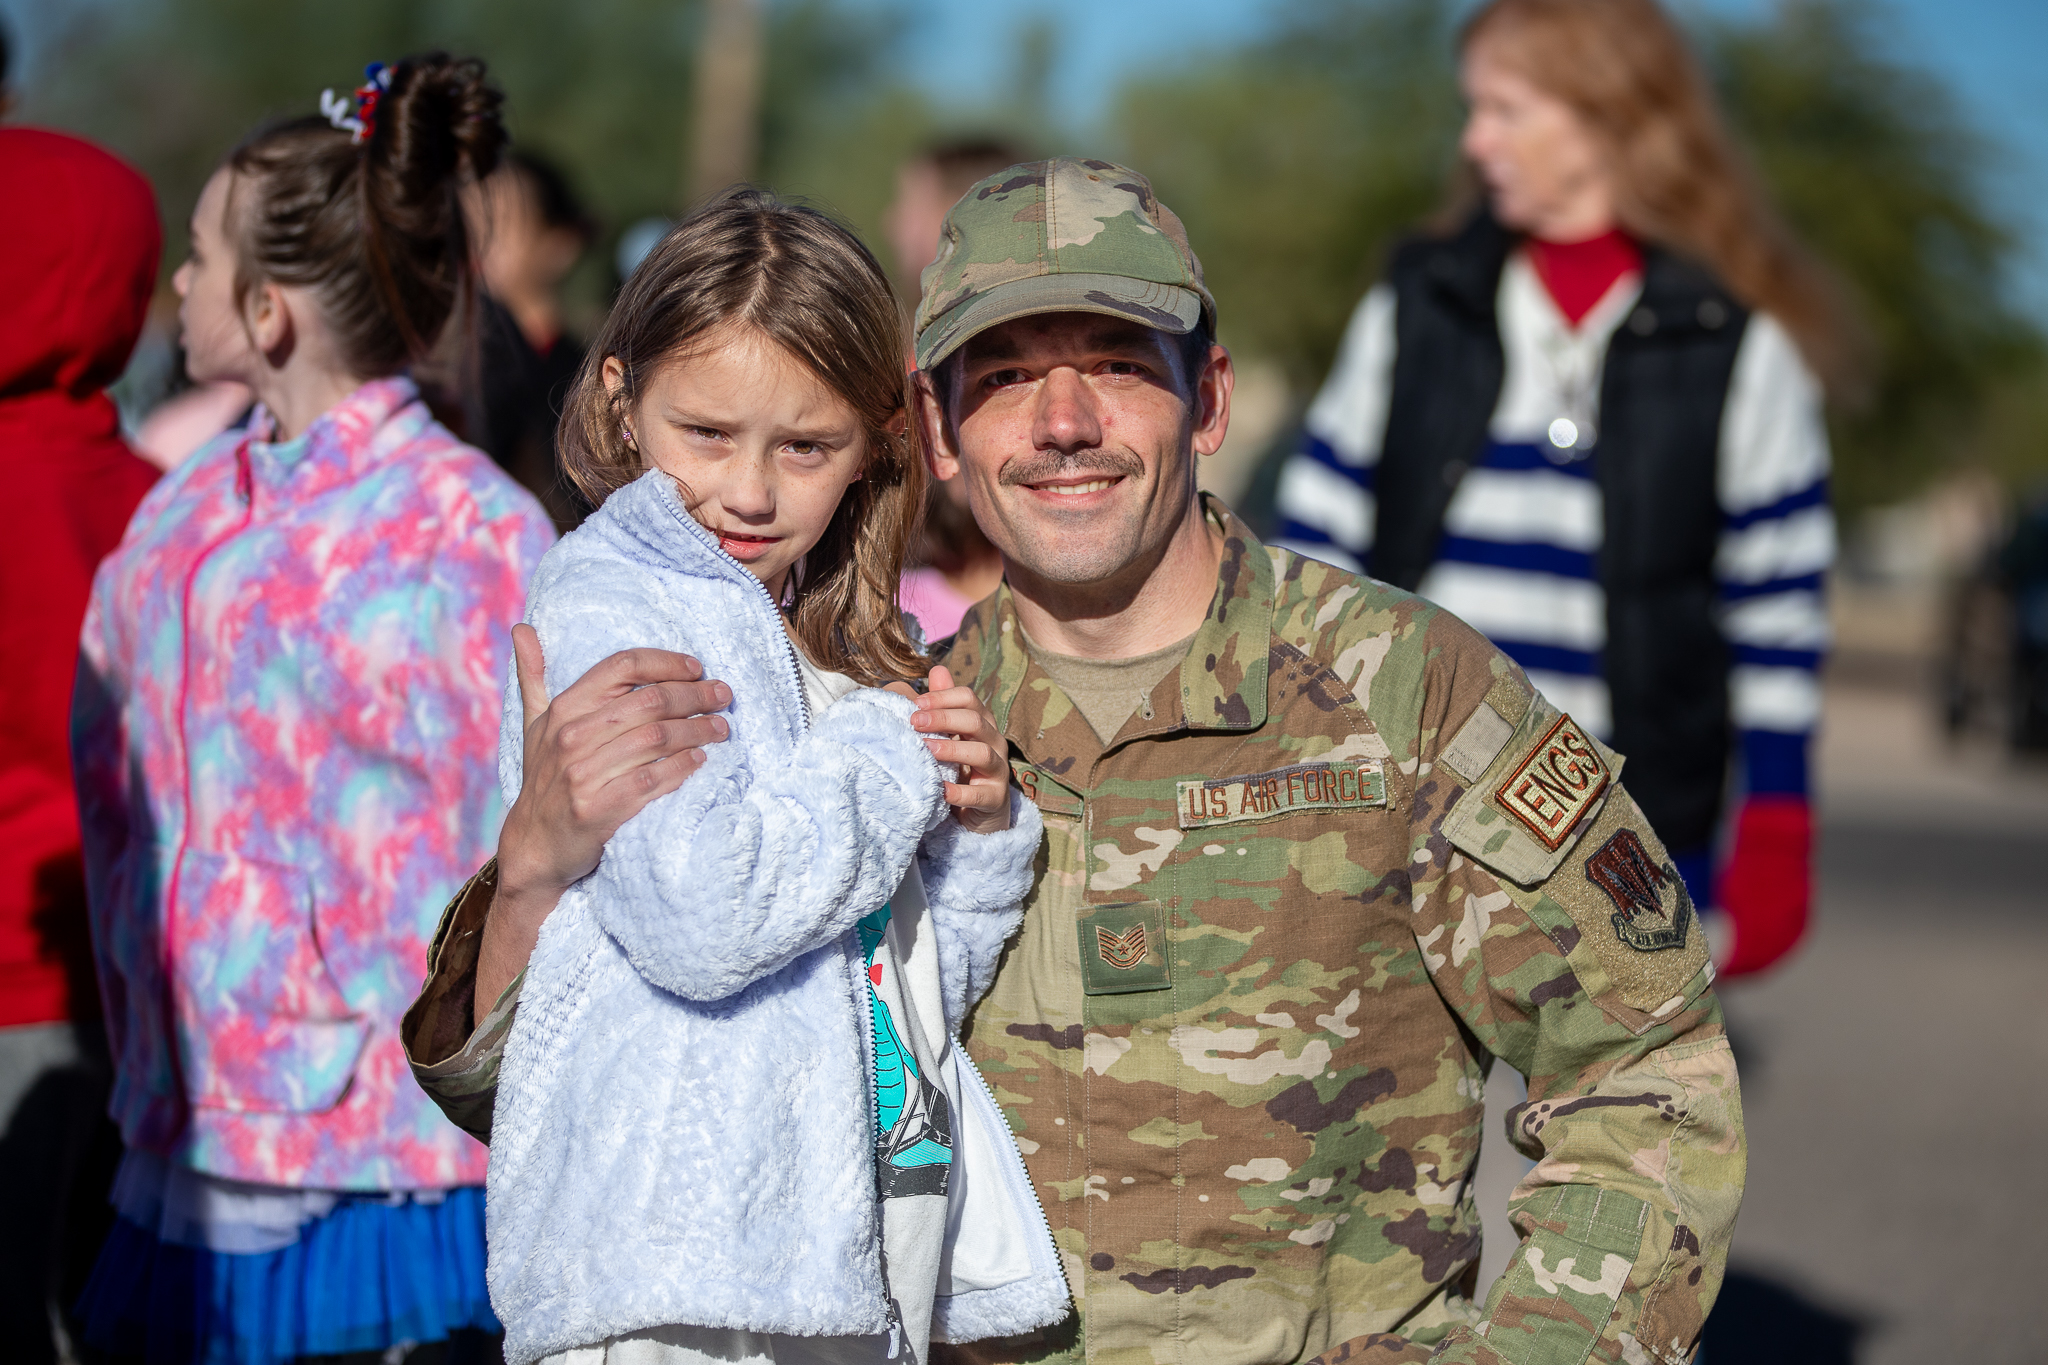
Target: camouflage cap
(1059, 236)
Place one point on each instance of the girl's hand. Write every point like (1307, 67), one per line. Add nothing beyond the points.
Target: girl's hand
(982, 801)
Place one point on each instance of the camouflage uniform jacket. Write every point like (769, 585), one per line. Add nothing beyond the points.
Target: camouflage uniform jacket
(1339, 861)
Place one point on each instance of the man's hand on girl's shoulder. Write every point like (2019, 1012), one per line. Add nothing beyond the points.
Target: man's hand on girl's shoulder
(981, 801)
(628, 731)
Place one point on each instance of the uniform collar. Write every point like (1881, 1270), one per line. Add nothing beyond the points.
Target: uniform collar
(341, 445)
(1220, 685)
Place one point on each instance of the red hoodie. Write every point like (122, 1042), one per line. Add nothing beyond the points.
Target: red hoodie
(77, 267)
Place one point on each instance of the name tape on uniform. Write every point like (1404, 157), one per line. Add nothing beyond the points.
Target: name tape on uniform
(1348, 784)
(1550, 789)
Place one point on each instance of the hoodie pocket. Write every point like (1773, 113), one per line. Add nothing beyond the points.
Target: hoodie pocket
(264, 1026)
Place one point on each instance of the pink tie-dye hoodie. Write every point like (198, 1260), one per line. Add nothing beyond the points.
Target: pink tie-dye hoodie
(285, 734)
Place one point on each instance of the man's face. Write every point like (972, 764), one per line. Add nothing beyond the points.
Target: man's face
(1077, 434)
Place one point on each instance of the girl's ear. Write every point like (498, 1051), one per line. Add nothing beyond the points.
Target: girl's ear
(613, 375)
(267, 316)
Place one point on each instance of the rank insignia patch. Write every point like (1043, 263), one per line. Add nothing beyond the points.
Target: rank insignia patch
(1557, 783)
(1652, 911)
(1123, 949)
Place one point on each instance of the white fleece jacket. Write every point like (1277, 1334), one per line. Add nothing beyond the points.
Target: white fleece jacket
(684, 1129)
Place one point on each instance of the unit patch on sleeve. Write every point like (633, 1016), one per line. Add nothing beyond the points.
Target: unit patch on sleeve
(1652, 911)
(1633, 938)
(1553, 786)
(1352, 783)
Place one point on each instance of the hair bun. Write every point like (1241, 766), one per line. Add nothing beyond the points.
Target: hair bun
(438, 120)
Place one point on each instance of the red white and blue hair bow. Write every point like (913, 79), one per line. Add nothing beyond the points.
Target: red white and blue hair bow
(356, 112)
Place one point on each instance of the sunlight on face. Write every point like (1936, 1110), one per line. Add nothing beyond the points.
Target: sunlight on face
(762, 448)
(1544, 170)
(1077, 439)
(217, 344)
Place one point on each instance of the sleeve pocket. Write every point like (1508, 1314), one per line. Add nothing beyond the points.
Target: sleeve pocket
(263, 1025)
(1553, 1302)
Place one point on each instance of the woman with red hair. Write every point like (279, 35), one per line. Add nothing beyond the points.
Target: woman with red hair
(1587, 420)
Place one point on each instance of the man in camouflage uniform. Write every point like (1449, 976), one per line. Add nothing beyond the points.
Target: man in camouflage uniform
(1334, 859)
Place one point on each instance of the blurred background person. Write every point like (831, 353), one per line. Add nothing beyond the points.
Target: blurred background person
(78, 262)
(285, 729)
(531, 230)
(189, 417)
(954, 566)
(1586, 420)
(2022, 571)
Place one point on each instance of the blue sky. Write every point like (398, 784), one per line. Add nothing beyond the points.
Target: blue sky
(1992, 53)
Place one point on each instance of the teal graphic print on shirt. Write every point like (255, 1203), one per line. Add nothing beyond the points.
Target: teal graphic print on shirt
(915, 1139)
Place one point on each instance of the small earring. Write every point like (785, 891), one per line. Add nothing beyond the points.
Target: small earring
(627, 432)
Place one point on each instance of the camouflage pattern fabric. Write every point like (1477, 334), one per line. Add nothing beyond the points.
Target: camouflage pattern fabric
(1243, 1036)
(455, 1058)
(1066, 235)
(1287, 918)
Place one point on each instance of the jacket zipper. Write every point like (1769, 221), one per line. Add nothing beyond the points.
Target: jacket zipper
(796, 675)
(1029, 1187)
(863, 1017)
(245, 489)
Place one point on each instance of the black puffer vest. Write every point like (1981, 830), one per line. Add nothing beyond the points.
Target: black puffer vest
(1661, 398)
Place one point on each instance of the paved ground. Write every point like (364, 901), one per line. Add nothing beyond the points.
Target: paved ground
(1893, 1071)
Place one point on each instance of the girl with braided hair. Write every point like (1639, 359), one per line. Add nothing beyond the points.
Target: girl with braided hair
(284, 727)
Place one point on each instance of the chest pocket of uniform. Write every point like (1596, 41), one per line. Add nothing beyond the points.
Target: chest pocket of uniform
(1123, 949)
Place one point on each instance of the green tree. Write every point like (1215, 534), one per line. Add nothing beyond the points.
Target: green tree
(1876, 168)
(603, 87)
(1298, 158)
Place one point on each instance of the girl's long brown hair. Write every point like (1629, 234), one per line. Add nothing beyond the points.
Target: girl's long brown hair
(807, 284)
(1679, 181)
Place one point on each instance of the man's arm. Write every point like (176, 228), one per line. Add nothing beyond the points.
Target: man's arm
(627, 731)
(630, 730)
(454, 1054)
(1553, 923)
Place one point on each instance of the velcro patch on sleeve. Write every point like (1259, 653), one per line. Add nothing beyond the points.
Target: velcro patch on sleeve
(1540, 790)
(1348, 784)
(1478, 742)
(1631, 909)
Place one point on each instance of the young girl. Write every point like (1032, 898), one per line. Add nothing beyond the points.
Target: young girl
(731, 1122)
(282, 735)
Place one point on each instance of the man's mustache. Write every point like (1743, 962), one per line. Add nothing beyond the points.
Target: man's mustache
(1051, 464)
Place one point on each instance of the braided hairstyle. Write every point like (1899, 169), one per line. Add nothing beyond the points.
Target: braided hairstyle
(373, 226)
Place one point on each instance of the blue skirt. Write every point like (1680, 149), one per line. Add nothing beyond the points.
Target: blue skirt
(368, 1275)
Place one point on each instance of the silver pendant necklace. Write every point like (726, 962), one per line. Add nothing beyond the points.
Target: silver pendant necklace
(1575, 366)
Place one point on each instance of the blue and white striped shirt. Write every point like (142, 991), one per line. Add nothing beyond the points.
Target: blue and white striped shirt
(1522, 533)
